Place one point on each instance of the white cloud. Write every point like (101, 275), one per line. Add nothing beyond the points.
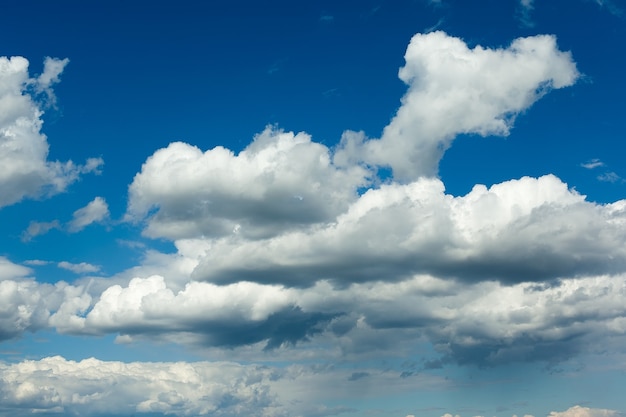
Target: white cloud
(26, 305)
(281, 181)
(224, 389)
(51, 75)
(592, 163)
(484, 323)
(610, 6)
(609, 177)
(454, 89)
(26, 172)
(22, 307)
(96, 211)
(275, 247)
(235, 315)
(530, 229)
(88, 387)
(80, 268)
(9, 270)
(578, 411)
(37, 262)
(279, 234)
(525, 9)
(39, 228)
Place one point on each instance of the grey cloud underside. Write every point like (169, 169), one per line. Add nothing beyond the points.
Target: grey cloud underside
(220, 215)
(392, 243)
(517, 265)
(280, 182)
(484, 323)
(285, 327)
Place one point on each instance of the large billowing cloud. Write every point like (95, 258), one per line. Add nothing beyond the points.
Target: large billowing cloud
(484, 323)
(26, 172)
(520, 230)
(286, 210)
(236, 315)
(286, 233)
(284, 181)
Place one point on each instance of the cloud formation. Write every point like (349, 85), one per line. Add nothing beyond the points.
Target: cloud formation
(93, 387)
(96, 211)
(23, 307)
(281, 181)
(578, 411)
(484, 323)
(80, 268)
(35, 229)
(26, 172)
(592, 163)
(526, 230)
(308, 245)
(291, 247)
(454, 89)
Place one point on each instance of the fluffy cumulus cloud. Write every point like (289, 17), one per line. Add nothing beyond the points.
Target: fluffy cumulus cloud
(92, 387)
(281, 181)
(284, 181)
(484, 323)
(26, 171)
(24, 303)
(55, 385)
(532, 229)
(454, 89)
(228, 316)
(578, 411)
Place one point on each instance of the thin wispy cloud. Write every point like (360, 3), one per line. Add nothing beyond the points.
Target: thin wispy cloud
(78, 268)
(592, 163)
(610, 177)
(39, 228)
(95, 212)
(525, 9)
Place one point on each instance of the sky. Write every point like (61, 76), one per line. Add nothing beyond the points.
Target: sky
(307, 209)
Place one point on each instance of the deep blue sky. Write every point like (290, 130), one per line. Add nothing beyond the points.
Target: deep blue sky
(464, 305)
